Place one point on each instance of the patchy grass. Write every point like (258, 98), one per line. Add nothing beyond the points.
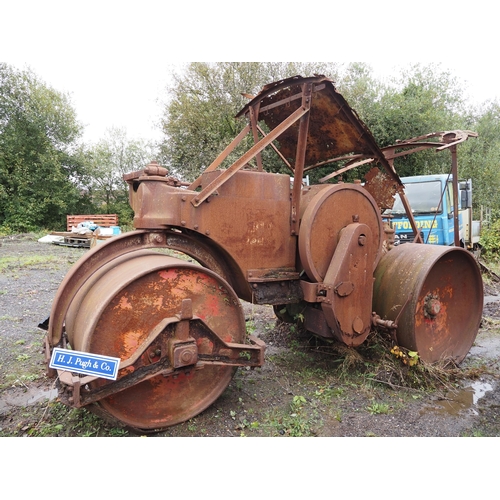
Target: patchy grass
(7, 317)
(24, 364)
(303, 391)
(57, 420)
(28, 262)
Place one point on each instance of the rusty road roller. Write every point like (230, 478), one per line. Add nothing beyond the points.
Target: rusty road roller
(323, 250)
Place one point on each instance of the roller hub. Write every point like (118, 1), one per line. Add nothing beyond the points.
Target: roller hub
(340, 244)
(432, 306)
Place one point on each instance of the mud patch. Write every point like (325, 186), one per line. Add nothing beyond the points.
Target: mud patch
(464, 400)
(25, 397)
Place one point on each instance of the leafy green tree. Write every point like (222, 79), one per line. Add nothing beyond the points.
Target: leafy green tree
(107, 161)
(38, 160)
(479, 159)
(361, 90)
(422, 100)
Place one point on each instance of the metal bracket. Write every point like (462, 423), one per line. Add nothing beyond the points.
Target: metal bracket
(181, 354)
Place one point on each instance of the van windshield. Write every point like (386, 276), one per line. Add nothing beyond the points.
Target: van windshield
(424, 198)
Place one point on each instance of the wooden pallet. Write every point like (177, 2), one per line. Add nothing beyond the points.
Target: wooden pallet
(86, 240)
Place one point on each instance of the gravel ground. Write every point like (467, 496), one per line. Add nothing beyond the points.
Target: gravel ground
(304, 389)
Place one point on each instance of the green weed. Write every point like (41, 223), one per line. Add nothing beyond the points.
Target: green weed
(490, 241)
(296, 423)
(61, 420)
(298, 402)
(378, 409)
(250, 327)
(328, 393)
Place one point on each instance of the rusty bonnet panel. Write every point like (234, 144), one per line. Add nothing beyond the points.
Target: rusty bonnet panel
(335, 130)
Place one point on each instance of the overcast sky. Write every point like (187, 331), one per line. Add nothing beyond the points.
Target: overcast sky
(115, 58)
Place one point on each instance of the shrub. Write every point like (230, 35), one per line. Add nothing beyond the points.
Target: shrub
(490, 241)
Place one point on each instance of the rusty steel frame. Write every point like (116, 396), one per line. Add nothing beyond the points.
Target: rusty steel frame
(241, 355)
(447, 139)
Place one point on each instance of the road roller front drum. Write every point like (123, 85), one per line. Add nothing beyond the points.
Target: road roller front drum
(434, 295)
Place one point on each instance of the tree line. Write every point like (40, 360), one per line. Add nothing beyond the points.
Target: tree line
(47, 171)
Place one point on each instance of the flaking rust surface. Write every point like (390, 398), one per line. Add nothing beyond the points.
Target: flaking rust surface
(381, 187)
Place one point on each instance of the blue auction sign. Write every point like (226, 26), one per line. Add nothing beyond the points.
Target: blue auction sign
(85, 363)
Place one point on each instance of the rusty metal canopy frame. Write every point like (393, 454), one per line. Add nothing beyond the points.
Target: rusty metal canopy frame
(333, 131)
(314, 123)
(316, 126)
(437, 140)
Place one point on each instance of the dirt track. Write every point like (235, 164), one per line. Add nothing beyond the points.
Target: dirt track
(303, 389)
